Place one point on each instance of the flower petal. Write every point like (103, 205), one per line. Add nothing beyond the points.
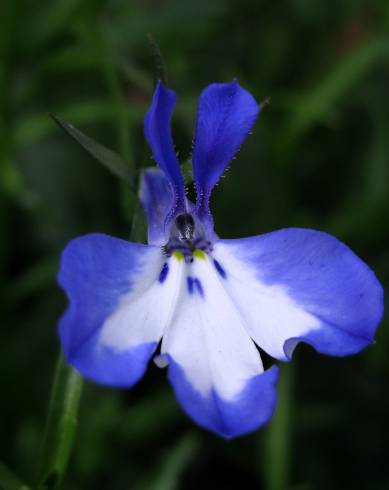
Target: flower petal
(296, 285)
(158, 136)
(214, 366)
(225, 115)
(118, 307)
(157, 199)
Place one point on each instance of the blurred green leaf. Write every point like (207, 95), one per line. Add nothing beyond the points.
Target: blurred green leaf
(167, 475)
(29, 129)
(135, 75)
(34, 279)
(365, 200)
(190, 19)
(319, 103)
(72, 59)
(10, 178)
(9, 481)
(110, 159)
(52, 20)
(148, 426)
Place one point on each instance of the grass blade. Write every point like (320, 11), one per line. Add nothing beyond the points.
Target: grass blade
(110, 159)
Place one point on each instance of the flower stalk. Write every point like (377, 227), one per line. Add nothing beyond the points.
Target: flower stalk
(277, 443)
(61, 425)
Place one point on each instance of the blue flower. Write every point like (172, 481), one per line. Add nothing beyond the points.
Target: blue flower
(207, 300)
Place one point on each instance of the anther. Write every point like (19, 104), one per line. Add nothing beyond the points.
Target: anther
(186, 226)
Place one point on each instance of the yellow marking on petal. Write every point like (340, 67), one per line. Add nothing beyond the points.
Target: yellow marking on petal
(199, 254)
(178, 255)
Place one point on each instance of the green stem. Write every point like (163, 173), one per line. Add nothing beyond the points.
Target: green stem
(277, 450)
(61, 425)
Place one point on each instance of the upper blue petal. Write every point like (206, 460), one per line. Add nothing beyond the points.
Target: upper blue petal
(157, 199)
(158, 136)
(251, 409)
(225, 115)
(96, 271)
(323, 277)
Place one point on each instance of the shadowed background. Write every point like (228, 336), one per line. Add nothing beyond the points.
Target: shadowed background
(318, 157)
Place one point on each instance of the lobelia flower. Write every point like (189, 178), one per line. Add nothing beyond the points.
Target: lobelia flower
(209, 300)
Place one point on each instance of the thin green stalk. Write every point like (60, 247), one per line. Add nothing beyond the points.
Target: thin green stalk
(61, 425)
(276, 463)
(110, 72)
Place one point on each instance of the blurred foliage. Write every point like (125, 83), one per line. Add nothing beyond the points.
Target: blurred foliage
(318, 157)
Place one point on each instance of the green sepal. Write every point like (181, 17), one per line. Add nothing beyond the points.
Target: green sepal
(159, 68)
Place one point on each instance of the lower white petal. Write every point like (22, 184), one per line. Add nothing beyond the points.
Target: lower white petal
(144, 313)
(120, 298)
(207, 337)
(214, 366)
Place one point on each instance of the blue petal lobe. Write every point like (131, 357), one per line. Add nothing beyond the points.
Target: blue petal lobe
(158, 136)
(248, 411)
(157, 199)
(225, 115)
(108, 367)
(96, 272)
(340, 296)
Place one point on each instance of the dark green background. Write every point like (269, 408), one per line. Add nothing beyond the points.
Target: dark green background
(318, 157)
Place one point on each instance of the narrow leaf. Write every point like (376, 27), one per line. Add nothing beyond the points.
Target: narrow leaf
(109, 158)
(29, 129)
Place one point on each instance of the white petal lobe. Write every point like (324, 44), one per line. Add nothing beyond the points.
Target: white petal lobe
(270, 314)
(207, 337)
(144, 313)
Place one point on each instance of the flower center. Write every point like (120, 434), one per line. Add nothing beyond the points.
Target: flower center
(185, 226)
(187, 236)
